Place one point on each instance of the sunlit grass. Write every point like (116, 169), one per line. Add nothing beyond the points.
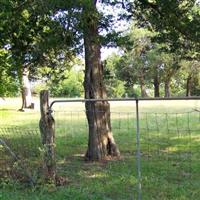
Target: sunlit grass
(170, 151)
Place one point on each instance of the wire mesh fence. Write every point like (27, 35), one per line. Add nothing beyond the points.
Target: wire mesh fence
(169, 151)
(170, 155)
(19, 154)
(72, 133)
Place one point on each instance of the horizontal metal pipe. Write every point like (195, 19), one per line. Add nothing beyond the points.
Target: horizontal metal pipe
(124, 99)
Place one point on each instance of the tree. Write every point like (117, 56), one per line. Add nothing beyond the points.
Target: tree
(114, 86)
(8, 84)
(171, 66)
(71, 85)
(46, 25)
(16, 37)
(177, 23)
(155, 63)
(146, 61)
(29, 30)
(190, 73)
(101, 142)
(125, 72)
(133, 67)
(60, 76)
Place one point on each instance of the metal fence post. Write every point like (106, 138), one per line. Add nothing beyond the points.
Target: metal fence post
(138, 156)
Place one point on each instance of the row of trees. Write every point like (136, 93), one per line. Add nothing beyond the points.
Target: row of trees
(143, 69)
(124, 76)
(38, 34)
(156, 71)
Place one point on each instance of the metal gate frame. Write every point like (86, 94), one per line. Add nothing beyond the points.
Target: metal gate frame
(136, 100)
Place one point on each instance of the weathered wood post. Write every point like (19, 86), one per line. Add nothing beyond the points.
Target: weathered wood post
(47, 130)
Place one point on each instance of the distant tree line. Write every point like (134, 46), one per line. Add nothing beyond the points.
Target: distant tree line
(145, 68)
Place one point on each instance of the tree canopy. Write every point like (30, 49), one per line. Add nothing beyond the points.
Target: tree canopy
(37, 33)
(176, 22)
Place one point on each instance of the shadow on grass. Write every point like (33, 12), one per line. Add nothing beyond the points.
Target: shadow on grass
(169, 160)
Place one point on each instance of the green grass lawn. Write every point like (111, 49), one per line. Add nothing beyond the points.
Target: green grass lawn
(170, 152)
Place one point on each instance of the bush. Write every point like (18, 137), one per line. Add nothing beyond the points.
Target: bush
(71, 86)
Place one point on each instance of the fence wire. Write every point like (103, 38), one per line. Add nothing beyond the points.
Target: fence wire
(170, 155)
(20, 155)
(169, 152)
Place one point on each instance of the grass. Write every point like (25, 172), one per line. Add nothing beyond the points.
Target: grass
(170, 152)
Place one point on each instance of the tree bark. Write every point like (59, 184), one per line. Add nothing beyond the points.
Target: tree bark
(171, 72)
(142, 87)
(47, 130)
(26, 90)
(189, 86)
(101, 143)
(156, 87)
(167, 88)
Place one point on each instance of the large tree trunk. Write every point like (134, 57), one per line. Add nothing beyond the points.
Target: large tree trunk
(101, 143)
(189, 86)
(167, 88)
(26, 90)
(156, 87)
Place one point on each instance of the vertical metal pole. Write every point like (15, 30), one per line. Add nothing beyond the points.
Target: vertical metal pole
(138, 157)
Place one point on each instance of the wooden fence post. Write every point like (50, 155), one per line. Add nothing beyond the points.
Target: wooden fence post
(47, 130)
